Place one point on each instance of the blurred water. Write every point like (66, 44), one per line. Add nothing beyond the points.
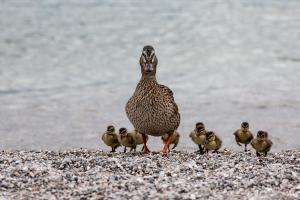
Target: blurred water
(67, 68)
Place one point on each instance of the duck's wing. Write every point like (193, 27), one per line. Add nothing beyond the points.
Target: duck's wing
(168, 93)
(116, 139)
(131, 139)
(219, 142)
(250, 137)
(269, 145)
(103, 134)
(166, 90)
(236, 132)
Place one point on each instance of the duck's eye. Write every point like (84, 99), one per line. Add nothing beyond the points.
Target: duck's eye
(153, 59)
(143, 59)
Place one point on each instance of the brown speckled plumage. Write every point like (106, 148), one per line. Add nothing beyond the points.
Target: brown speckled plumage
(152, 109)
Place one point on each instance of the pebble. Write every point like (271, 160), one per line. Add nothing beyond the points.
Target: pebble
(85, 174)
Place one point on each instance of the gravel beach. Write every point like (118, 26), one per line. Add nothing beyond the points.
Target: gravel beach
(86, 174)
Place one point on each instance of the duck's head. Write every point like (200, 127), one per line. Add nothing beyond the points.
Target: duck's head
(262, 135)
(210, 136)
(148, 61)
(123, 131)
(110, 128)
(245, 126)
(199, 127)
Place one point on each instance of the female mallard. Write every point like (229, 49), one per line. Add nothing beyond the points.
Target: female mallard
(152, 109)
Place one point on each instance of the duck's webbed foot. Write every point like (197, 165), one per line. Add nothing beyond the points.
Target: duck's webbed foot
(201, 149)
(215, 151)
(124, 149)
(167, 143)
(175, 145)
(113, 149)
(145, 148)
(246, 148)
(266, 153)
(257, 154)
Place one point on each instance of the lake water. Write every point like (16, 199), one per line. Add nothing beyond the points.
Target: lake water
(67, 68)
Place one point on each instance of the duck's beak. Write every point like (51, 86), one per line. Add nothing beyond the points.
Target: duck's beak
(149, 67)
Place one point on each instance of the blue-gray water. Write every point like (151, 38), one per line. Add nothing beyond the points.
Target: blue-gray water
(67, 68)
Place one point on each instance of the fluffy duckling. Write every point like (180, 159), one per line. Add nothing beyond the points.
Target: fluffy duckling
(139, 138)
(243, 135)
(212, 142)
(198, 136)
(110, 138)
(127, 139)
(174, 139)
(261, 143)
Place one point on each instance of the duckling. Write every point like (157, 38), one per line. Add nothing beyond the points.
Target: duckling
(139, 138)
(174, 139)
(110, 138)
(198, 136)
(212, 142)
(243, 135)
(127, 139)
(261, 143)
(152, 109)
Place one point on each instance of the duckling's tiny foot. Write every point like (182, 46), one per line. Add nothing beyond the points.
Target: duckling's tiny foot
(202, 150)
(146, 150)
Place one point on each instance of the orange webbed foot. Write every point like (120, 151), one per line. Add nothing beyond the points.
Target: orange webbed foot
(165, 149)
(167, 144)
(146, 150)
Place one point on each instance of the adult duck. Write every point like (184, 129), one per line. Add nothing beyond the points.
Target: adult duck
(152, 109)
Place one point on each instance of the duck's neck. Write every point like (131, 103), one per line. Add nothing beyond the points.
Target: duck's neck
(147, 81)
(148, 78)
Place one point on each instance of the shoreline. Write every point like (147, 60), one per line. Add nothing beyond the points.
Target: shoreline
(81, 173)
